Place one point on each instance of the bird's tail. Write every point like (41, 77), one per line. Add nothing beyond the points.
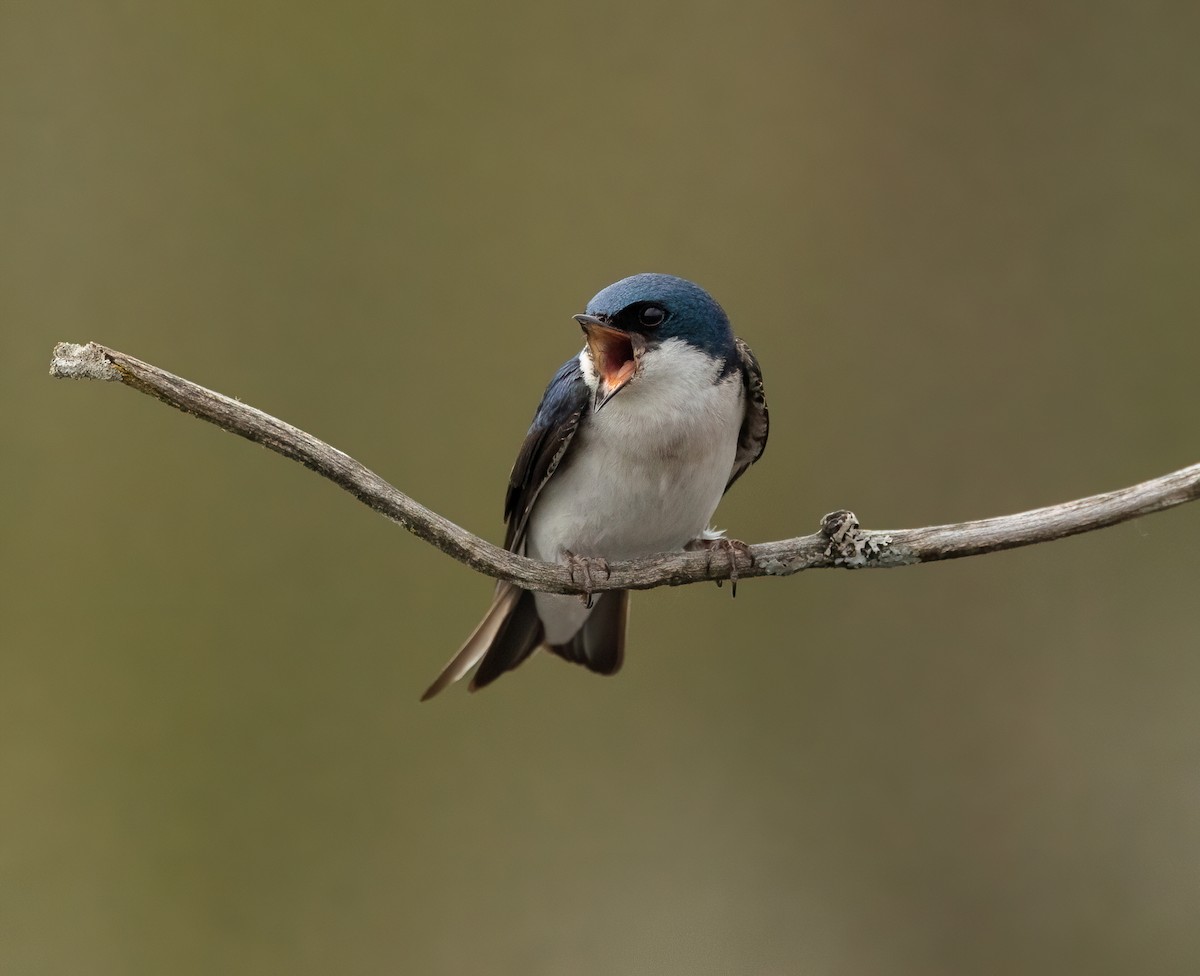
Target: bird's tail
(509, 632)
(599, 645)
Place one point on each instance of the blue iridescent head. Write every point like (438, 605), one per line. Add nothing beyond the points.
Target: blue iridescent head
(660, 307)
(640, 315)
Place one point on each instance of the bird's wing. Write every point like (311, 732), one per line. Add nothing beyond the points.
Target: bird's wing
(511, 629)
(563, 407)
(752, 438)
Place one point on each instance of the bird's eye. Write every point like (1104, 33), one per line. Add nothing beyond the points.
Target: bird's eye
(651, 316)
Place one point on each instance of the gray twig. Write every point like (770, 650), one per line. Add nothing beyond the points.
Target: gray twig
(840, 542)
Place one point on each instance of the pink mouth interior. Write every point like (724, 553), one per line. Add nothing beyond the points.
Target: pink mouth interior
(616, 361)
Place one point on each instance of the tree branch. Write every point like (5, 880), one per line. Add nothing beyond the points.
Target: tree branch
(839, 543)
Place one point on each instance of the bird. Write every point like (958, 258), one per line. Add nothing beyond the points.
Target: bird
(634, 444)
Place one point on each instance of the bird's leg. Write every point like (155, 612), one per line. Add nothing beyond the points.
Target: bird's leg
(580, 568)
(734, 550)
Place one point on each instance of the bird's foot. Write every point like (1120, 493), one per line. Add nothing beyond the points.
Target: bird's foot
(738, 553)
(581, 569)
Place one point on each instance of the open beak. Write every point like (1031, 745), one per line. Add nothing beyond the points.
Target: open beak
(615, 356)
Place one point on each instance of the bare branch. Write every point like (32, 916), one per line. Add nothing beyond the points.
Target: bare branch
(839, 543)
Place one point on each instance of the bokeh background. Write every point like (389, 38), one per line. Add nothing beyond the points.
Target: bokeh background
(963, 239)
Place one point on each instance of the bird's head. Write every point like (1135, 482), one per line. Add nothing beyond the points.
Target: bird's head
(629, 322)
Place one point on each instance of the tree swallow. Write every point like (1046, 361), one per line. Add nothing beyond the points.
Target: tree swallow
(634, 443)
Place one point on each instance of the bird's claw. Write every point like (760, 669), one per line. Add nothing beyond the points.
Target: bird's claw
(735, 550)
(581, 568)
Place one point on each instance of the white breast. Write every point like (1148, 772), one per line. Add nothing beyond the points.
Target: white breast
(644, 475)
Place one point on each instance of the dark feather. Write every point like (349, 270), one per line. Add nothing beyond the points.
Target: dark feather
(600, 643)
(752, 439)
(482, 638)
(563, 407)
(517, 639)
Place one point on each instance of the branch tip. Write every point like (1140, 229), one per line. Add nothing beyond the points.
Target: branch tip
(86, 362)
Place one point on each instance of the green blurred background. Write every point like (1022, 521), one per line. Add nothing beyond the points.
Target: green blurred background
(962, 239)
